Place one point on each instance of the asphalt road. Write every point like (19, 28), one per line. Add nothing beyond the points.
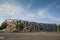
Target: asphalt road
(30, 36)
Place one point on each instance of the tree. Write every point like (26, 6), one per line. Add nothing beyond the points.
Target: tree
(20, 27)
(0, 28)
(58, 28)
(3, 26)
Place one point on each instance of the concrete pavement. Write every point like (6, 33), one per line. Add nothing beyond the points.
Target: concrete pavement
(30, 36)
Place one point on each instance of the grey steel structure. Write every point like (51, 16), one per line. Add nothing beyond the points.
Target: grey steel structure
(37, 27)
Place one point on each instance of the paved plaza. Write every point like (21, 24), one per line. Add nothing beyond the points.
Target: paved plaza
(30, 36)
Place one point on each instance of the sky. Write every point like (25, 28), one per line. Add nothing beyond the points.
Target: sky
(41, 11)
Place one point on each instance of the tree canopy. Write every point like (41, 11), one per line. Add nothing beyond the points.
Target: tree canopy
(59, 28)
(20, 26)
(3, 26)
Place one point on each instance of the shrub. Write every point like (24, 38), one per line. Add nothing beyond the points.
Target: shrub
(3, 26)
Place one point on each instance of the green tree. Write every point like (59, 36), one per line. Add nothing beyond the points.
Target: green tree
(20, 26)
(0, 28)
(3, 26)
(58, 28)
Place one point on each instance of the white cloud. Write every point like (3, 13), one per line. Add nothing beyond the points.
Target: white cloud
(44, 14)
(9, 9)
(15, 12)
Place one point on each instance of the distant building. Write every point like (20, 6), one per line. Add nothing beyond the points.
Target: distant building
(31, 26)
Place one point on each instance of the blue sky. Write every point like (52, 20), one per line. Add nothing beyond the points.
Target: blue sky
(41, 11)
